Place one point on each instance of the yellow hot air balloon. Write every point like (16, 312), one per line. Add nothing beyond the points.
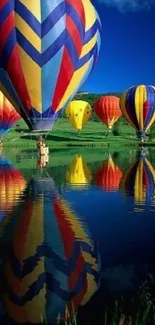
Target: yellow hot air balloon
(79, 113)
(78, 172)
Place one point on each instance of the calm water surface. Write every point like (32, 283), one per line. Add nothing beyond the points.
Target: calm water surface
(77, 235)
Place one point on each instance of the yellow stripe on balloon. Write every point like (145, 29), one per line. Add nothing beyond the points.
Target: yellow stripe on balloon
(89, 46)
(36, 308)
(92, 287)
(35, 238)
(7, 95)
(140, 98)
(28, 33)
(123, 108)
(91, 17)
(151, 122)
(138, 188)
(34, 7)
(35, 93)
(33, 276)
(75, 81)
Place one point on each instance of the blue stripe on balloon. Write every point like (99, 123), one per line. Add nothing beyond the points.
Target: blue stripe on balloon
(86, 58)
(54, 33)
(54, 16)
(8, 48)
(130, 102)
(46, 9)
(27, 16)
(54, 48)
(50, 73)
(151, 100)
(90, 33)
(76, 19)
(28, 47)
(5, 11)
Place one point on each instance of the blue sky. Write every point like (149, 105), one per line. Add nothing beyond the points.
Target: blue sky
(127, 55)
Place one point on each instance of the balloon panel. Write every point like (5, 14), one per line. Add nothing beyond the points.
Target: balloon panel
(8, 115)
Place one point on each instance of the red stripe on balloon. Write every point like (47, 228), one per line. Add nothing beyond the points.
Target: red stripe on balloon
(15, 73)
(145, 111)
(78, 6)
(6, 29)
(3, 3)
(73, 31)
(64, 79)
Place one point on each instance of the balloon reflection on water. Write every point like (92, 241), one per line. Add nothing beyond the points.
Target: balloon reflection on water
(78, 173)
(12, 185)
(139, 181)
(51, 265)
(108, 177)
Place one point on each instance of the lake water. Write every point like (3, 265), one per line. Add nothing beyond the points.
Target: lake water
(77, 236)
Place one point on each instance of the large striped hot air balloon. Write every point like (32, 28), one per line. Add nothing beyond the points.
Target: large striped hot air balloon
(12, 185)
(51, 264)
(107, 108)
(78, 173)
(47, 51)
(108, 177)
(139, 181)
(8, 115)
(78, 112)
(138, 106)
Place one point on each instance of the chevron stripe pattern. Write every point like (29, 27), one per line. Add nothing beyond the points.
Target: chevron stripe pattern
(52, 262)
(48, 52)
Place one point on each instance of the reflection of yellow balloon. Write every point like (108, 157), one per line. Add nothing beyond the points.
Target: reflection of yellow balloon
(78, 113)
(78, 172)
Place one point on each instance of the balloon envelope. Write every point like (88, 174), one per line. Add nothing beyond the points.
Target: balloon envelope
(47, 51)
(107, 108)
(78, 113)
(138, 106)
(8, 115)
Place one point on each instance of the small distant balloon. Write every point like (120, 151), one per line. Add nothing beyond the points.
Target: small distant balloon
(8, 115)
(138, 106)
(107, 108)
(78, 112)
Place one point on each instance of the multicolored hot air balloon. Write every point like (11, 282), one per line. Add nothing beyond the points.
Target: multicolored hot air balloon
(52, 265)
(139, 181)
(138, 106)
(78, 173)
(109, 176)
(12, 185)
(107, 108)
(47, 51)
(8, 115)
(78, 113)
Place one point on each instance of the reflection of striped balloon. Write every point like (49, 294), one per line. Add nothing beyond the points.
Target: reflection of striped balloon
(12, 185)
(8, 115)
(48, 49)
(138, 106)
(139, 181)
(109, 176)
(52, 264)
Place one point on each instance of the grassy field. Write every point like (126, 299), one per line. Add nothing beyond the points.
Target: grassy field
(64, 135)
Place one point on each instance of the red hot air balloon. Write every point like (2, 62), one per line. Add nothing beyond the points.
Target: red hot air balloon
(109, 176)
(107, 108)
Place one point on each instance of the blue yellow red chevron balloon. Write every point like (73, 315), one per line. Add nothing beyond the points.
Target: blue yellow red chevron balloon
(138, 106)
(47, 51)
(8, 115)
(52, 265)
